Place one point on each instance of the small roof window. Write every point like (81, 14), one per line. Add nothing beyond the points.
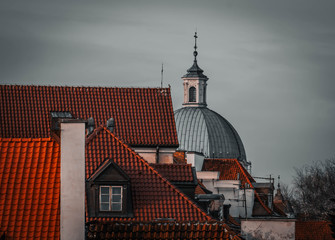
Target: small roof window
(58, 114)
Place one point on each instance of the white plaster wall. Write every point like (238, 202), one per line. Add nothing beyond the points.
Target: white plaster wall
(208, 175)
(200, 85)
(250, 199)
(72, 194)
(191, 159)
(283, 229)
(232, 197)
(166, 155)
(209, 184)
(235, 197)
(231, 191)
(196, 159)
(149, 154)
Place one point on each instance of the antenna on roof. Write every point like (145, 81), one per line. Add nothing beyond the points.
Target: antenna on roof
(162, 77)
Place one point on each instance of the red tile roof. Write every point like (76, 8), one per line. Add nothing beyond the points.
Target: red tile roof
(29, 188)
(30, 185)
(314, 230)
(229, 170)
(175, 172)
(179, 157)
(199, 189)
(143, 116)
(153, 196)
(160, 230)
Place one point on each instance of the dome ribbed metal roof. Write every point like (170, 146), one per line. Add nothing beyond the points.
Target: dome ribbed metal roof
(202, 130)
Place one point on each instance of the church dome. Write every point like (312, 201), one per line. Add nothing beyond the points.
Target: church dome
(200, 129)
(203, 130)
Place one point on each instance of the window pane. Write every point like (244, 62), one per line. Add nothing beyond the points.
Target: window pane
(116, 206)
(105, 198)
(116, 190)
(192, 94)
(104, 207)
(116, 198)
(104, 190)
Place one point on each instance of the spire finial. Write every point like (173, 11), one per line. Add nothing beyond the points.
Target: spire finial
(195, 53)
(278, 181)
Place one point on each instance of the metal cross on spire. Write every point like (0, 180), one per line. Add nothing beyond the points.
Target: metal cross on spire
(195, 53)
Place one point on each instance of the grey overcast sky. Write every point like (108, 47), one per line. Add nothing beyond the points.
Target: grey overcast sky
(270, 63)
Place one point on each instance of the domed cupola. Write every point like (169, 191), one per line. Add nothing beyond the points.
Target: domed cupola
(200, 129)
(195, 83)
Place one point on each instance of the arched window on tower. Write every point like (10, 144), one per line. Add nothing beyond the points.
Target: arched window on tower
(192, 94)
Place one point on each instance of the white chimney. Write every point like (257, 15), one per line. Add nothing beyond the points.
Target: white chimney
(72, 194)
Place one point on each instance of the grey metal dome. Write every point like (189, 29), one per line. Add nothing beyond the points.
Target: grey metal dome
(202, 130)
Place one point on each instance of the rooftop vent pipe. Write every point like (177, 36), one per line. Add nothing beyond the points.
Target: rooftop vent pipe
(90, 125)
(111, 124)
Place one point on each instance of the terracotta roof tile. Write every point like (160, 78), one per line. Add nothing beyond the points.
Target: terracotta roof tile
(29, 202)
(153, 196)
(160, 230)
(229, 169)
(175, 172)
(30, 185)
(179, 157)
(316, 230)
(143, 116)
(199, 190)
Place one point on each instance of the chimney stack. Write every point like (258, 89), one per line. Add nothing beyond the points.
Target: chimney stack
(111, 124)
(72, 194)
(90, 125)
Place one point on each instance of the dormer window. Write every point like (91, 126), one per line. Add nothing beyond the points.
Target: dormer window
(110, 198)
(192, 94)
(109, 192)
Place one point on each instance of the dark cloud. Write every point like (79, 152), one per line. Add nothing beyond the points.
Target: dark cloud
(270, 63)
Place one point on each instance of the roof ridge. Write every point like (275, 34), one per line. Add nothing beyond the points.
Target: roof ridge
(159, 175)
(59, 86)
(242, 169)
(93, 134)
(171, 164)
(26, 139)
